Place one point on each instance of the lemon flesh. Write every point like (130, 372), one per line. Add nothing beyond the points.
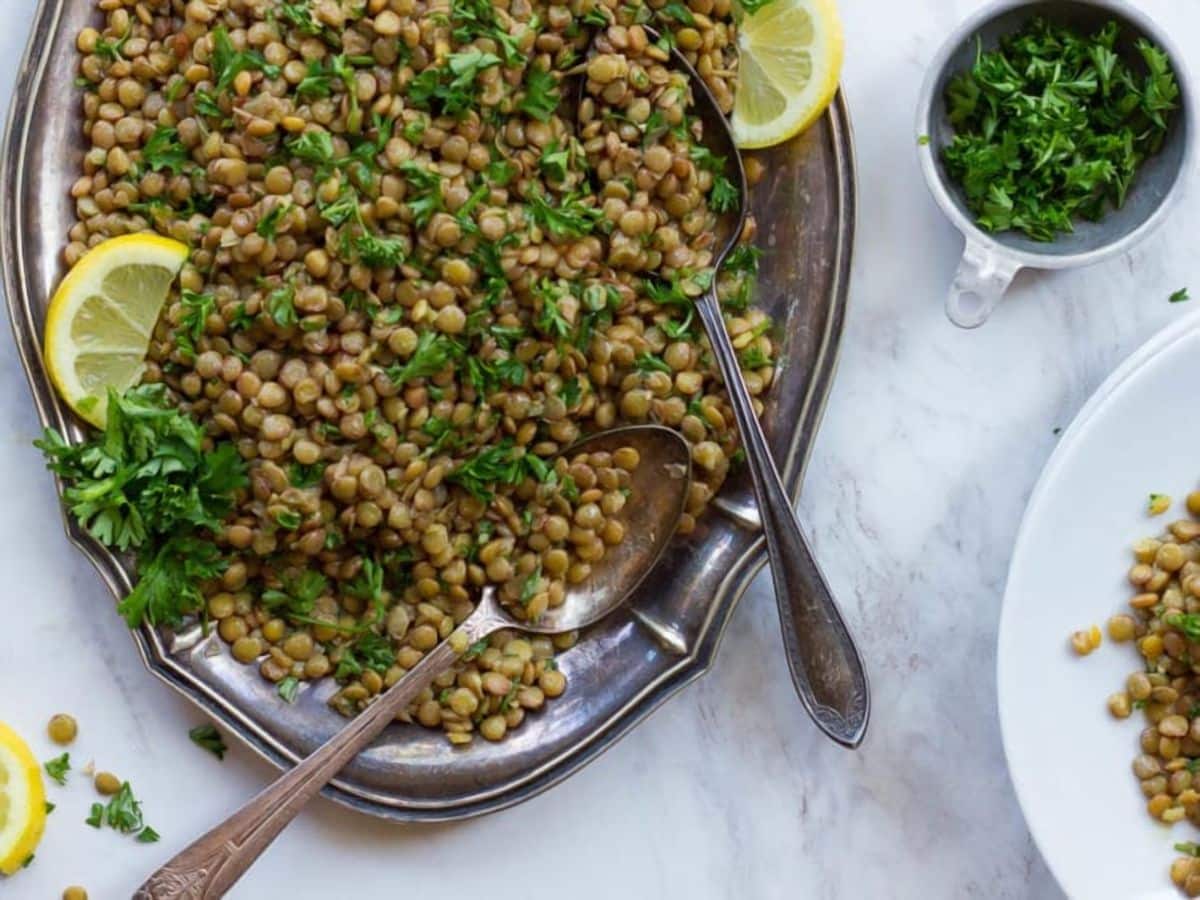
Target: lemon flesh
(790, 62)
(100, 321)
(22, 802)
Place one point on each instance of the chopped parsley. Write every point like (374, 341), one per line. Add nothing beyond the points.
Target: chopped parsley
(434, 352)
(572, 392)
(475, 650)
(367, 651)
(531, 585)
(501, 464)
(112, 50)
(1053, 125)
(227, 63)
(281, 306)
(1179, 296)
(196, 310)
(477, 19)
(297, 594)
(314, 147)
(268, 225)
(147, 484)
(1188, 623)
(58, 768)
(555, 161)
(379, 252)
(451, 89)
(679, 12)
(570, 218)
(648, 362)
(123, 813)
(723, 197)
(424, 195)
(487, 377)
(541, 94)
(287, 519)
(306, 476)
(208, 738)
(288, 689)
(164, 151)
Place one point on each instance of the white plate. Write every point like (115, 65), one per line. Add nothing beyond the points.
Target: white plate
(1069, 759)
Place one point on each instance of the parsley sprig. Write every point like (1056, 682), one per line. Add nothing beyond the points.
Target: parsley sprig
(148, 484)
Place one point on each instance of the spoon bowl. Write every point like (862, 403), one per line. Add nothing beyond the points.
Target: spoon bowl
(660, 486)
(208, 867)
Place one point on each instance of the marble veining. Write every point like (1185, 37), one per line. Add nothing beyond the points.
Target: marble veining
(932, 442)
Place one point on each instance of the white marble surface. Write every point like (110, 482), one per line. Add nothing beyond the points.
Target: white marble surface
(932, 442)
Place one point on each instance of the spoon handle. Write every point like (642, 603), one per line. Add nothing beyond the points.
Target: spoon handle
(212, 864)
(825, 664)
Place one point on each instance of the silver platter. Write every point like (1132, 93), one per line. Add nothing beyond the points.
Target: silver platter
(620, 671)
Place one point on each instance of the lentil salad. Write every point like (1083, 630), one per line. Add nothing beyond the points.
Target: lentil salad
(413, 282)
(1163, 625)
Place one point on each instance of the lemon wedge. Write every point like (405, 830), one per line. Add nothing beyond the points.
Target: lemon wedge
(22, 802)
(790, 62)
(100, 320)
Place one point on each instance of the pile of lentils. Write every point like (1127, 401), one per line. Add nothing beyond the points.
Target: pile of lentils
(1164, 625)
(421, 269)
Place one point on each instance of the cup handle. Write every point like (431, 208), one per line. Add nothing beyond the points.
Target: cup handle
(981, 280)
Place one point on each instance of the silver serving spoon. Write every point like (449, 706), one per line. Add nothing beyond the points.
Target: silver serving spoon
(827, 669)
(211, 865)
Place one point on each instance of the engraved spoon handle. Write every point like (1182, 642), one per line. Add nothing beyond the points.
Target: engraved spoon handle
(212, 864)
(825, 664)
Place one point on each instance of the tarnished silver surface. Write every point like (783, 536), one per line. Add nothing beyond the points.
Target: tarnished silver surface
(622, 669)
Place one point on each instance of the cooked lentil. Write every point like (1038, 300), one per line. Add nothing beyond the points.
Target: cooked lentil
(413, 282)
(62, 728)
(1163, 623)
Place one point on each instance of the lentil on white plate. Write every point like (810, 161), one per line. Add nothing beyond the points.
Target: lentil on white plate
(1163, 624)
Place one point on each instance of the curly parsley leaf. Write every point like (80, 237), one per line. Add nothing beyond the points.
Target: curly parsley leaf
(434, 352)
(501, 464)
(58, 768)
(424, 192)
(148, 484)
(378, 252)
(281, 306)
(164, 151)
(226, 62)
(367, 651)
(571, 218)
(297, 595)
(477, 19)
(451, 89)
(123, 813)
(1053, 125)
(541, 94)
